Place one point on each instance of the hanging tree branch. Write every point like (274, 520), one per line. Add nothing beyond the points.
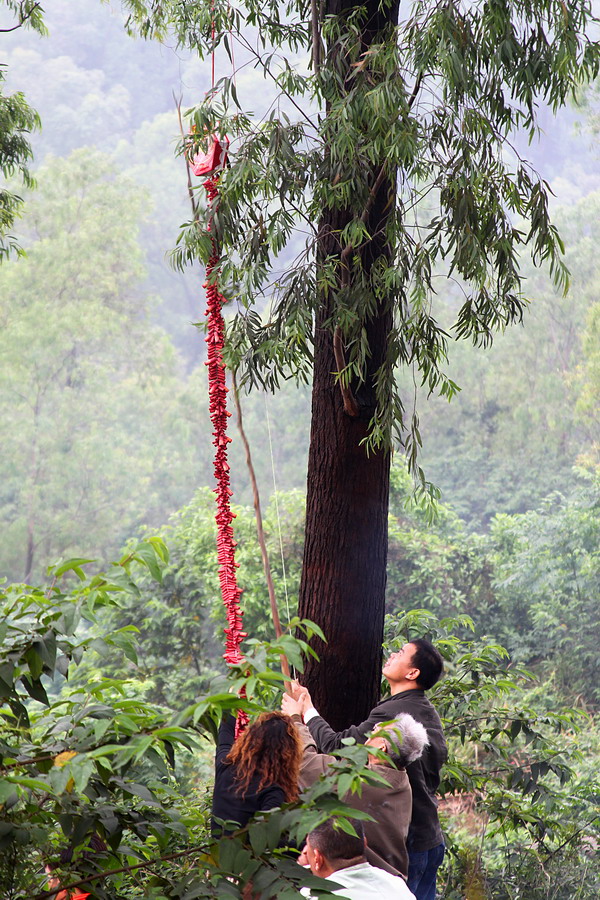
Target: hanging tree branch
(187, 163)
(350, 404)
(23, 17)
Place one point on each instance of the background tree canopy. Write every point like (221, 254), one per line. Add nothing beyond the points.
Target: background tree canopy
(17, 121)
(89, 58)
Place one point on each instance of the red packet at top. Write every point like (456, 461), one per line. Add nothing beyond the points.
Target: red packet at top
(215, 157)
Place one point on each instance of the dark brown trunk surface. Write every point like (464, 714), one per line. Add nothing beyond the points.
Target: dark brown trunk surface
(344, 570)
(345, 555)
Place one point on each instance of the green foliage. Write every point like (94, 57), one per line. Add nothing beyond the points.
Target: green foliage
(17, 121)
(521, 784)
(180, 620)
(437, 566)
(531, 584)
(588, 377)
(546, 578)
(25, 13)
(94, 768)
(80, 760)
(433, 103)
(108, 761)
(532, 398)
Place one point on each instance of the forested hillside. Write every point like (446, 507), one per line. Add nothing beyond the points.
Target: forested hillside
(99, 89)
(106, 443)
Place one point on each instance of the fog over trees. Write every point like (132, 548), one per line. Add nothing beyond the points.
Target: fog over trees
(96, 87)
(106, 444)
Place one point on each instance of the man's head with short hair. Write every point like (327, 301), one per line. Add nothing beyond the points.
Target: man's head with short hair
(428, 661)
(417, 664)
(330, 848)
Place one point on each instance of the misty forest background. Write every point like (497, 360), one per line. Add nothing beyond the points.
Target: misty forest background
(104, 410)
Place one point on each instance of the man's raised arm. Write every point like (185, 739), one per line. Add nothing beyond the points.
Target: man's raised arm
(325, 737)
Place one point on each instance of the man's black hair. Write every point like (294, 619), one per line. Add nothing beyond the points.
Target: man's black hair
(336, 844)
(428, 661)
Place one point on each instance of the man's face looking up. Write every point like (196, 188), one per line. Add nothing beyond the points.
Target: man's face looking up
(400, 664)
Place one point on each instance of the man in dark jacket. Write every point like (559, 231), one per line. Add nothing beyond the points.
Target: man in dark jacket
(410, 672)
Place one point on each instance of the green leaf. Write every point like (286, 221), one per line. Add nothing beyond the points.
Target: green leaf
(35, 689)
(7, 669)
(7, 791)
(273, 830)
(34, 661)
(258, 837)
(146, 553)
(73, 565)
(32, 784)
(138, 790)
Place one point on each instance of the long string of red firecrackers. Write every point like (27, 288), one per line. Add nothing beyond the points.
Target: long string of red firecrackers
(217, 392)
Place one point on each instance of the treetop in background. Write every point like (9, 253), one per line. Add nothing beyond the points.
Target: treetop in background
(17, 121)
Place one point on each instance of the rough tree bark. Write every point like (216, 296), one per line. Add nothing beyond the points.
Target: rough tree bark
(345, 556)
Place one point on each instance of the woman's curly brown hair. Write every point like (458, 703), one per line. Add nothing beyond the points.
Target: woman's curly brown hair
(270, 750)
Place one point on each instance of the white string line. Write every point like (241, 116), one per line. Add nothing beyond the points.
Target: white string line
(285, 587)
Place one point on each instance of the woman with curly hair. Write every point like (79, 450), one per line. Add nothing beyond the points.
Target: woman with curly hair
(258, 771)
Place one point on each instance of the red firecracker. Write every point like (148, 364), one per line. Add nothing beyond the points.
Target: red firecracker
(217, 391)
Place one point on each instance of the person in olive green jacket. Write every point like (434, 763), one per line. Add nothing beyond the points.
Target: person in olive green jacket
(390, 805)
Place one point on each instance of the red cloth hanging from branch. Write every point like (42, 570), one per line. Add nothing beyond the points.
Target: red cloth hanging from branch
(217, 391)
(213, 159)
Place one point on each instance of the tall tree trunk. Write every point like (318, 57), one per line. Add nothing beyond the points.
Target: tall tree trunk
(345, 555)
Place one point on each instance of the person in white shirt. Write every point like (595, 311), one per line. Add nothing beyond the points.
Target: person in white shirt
(339, 857)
